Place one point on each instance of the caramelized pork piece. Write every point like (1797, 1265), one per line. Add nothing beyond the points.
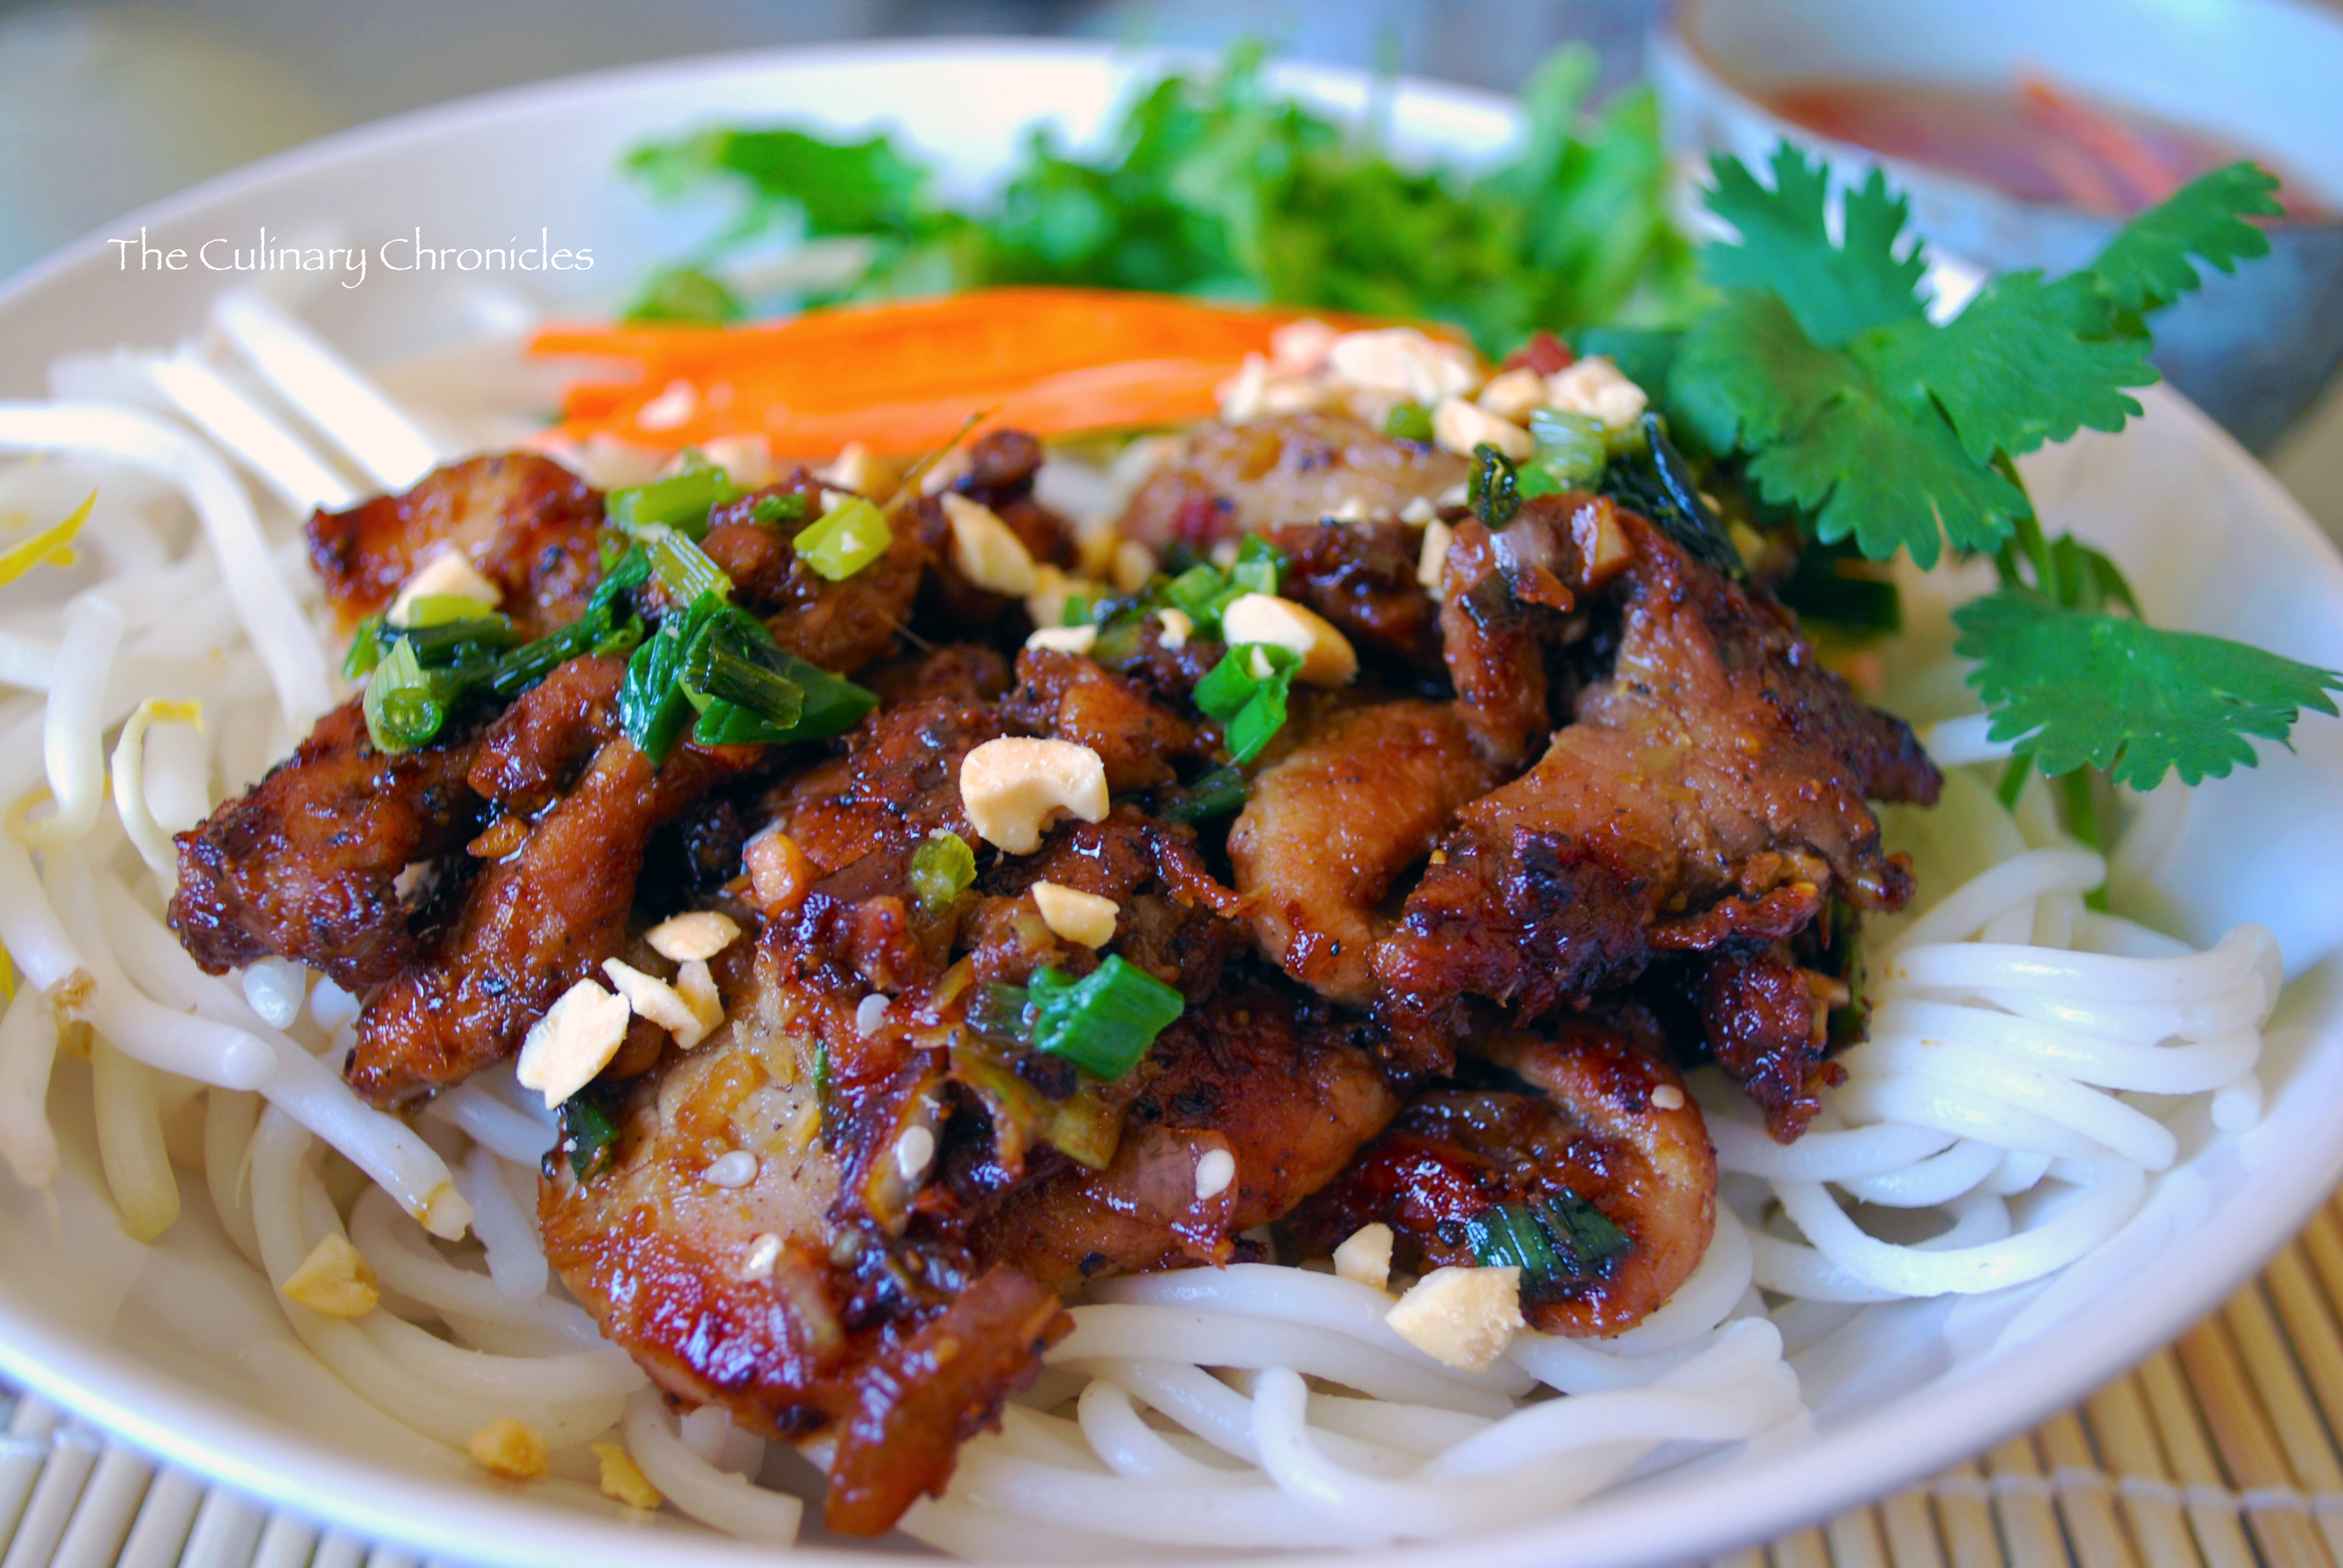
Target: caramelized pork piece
(1173, 919)
(1362, 576)
(551, 902)
(1767, 1021)
(305, 865)
(769, 1297)
(1283, 1090)
(1714, 786)
(1231, 479)
(1068, 697)
(839, 625)
(1326, 832)
(524, 522)
(1592, 1120)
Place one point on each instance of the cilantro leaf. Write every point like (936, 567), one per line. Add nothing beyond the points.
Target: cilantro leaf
(2147, 266)
(1213, 185)
(2021, 364)
(2076, 688)
(1830, 438)
(1836, 291)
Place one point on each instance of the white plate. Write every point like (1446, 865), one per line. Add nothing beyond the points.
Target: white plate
(114, 1329)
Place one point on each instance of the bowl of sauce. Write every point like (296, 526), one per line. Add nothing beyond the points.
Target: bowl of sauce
(2025, 133)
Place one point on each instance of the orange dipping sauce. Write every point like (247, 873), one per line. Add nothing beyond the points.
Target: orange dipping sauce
(2036, 142)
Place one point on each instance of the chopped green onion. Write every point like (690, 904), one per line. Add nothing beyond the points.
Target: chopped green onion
(766, 511)
(403, 709)
(652, 707)
(1409, 422)
(1247, 691)
(723, 665)
(681, 502)
(1213, 794)
(1581, 1231)
(440, 608)
(597, 629)
(457, 641)
(684, 572)
(589, 1137)
(942, 868)
(845, 540)
(1492, 489)
(1258, 566)
(1003, 1011)
(1105, 1022)
(365, 648)
(1573, 448)
(1202, 591)
(1555, 1241)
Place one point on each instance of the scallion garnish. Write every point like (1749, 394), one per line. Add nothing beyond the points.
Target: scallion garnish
(1247, 692)
(1409, 422)
(770, 511)
(1555, 1241)
(1492, 489)
(1213, 794)
(1258, 566)
(723, 666)
(684, 572)
(844, 539)
(600, 628)
(652, 707)
(589, 1137)
(1572, 452)
(681, 502)
(942, 868)
(1105, 1022)
(403, 711)
(365, 648)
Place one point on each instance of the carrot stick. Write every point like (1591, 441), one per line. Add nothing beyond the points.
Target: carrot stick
(902, 376)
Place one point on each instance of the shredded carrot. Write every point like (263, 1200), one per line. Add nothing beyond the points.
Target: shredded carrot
(905, 377)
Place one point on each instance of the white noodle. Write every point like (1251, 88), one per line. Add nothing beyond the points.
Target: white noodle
(346, 408)
(272, 619)
(28, 1048)
(73, 727)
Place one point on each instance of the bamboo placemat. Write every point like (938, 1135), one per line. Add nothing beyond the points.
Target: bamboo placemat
(2220, 1450)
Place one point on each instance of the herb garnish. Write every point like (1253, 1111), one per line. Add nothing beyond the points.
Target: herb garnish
(1819, 371)
(1215, 186)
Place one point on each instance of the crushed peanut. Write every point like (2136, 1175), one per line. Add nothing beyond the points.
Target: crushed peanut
(914, 1151)
(1365, 1258)
(623, 1480)
(854, 468)
(1431, 566)
(1178, 628)
(1327, 658)
(575, 1040)
(987, 551)
(657, 1001)
(1063, 638)
(1596, 387)
(1132, 565)
(334, 1279)
(696, 984)
(1461, 1318)
(512, 1450)
(700, 934)
(1459, 426)
(1402, 362)
(1513, 395)
(1667, 1096)
(1077, 916)
(1014, 786)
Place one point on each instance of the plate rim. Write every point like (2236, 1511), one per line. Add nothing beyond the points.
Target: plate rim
(1868, 1457)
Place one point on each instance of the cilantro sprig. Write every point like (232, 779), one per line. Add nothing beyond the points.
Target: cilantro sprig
(1818, 371)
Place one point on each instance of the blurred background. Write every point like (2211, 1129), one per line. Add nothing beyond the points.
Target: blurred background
(105, 105)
